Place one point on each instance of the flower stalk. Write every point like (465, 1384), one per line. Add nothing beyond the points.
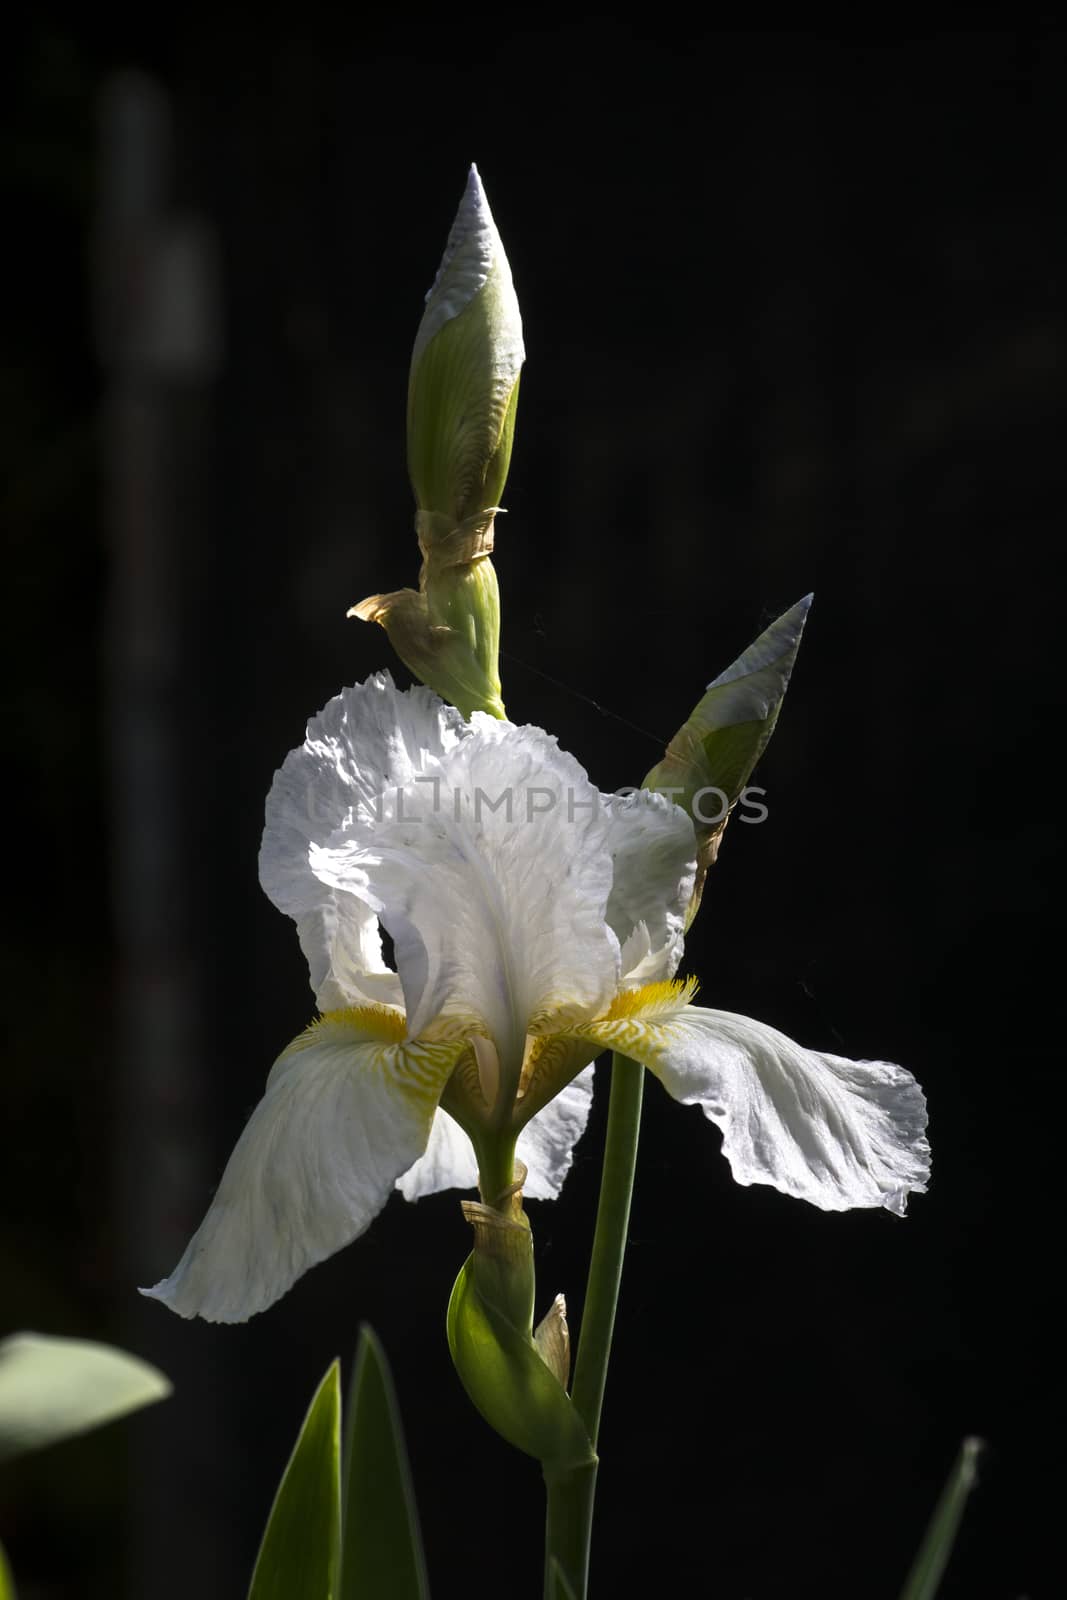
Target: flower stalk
(571, 1494)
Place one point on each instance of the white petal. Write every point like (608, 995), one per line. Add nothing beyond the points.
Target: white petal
(448, 1162)
(547, 1142)
(344, 1114)
(493, 884)
(835, 1132)
(654, 850)
(343, 950)
(545, 1146)
(364, 741)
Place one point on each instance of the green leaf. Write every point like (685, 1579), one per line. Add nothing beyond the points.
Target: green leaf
(300, 1553)
(712, 756)
(7, 1582)
(381, 1550)
(53, 1388)
(930, 1563)
(557, 1587)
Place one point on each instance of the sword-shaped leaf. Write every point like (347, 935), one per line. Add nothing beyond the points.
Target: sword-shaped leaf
(381, 1547)
(932, 1559)
(7, 1582)
(300, 1553)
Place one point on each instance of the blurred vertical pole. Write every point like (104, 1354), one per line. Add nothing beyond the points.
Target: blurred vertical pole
(157, 324)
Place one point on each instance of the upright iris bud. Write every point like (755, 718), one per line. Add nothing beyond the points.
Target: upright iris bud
(711, 758)
(462, 394)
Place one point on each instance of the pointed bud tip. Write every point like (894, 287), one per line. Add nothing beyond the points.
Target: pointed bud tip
(473, 246)
(474, 207)
(797, 615)
(776, 643)
(794, 619)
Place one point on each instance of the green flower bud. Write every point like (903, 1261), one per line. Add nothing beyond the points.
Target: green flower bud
(462, 394)
(718, 747)
(464, 382)
(515, 1377)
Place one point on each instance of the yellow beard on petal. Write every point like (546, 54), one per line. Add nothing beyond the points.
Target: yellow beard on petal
(371, 1022)
(652, 999)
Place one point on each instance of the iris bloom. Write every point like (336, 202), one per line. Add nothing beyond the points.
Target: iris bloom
(535, 923)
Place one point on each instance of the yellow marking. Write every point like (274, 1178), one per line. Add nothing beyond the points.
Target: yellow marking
(652, 1000)
(370, 1022)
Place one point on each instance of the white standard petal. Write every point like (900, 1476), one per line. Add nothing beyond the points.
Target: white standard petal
(493, 882)
(448, 1162)
(546, 1144)
(363, 743)
(653, 848)
(344, 1114)
(835, 1132)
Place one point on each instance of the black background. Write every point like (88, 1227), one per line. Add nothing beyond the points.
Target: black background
(793, 322)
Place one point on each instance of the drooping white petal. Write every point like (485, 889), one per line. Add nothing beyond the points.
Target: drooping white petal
(653, 849)
(546, 1144)
(448, 1162)
(493, 882)
(835, 1132)
(344, 1114)
(364, 742)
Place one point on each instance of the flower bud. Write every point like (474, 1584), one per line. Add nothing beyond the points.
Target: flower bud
(464, 382)
(514, 1376)
(715, 751)
(462, 393)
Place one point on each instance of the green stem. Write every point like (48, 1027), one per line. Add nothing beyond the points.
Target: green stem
(496, 1169)
(569, 1524)
(609, 1242)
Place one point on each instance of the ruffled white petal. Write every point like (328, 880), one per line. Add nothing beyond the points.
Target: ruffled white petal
(364, 742)
(546, 1144)
(448, 1162)
(835, 1132)
(344, 1114)
(493, 883)
(653, 848)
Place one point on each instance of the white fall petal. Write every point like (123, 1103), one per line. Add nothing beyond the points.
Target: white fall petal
(448, 1162)
(546, 1144)
(837, 1133)
(343, 1116)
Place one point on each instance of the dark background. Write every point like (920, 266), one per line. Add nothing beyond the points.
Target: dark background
(793, 321)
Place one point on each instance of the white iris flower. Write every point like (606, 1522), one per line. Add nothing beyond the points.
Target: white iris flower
(535, 924)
